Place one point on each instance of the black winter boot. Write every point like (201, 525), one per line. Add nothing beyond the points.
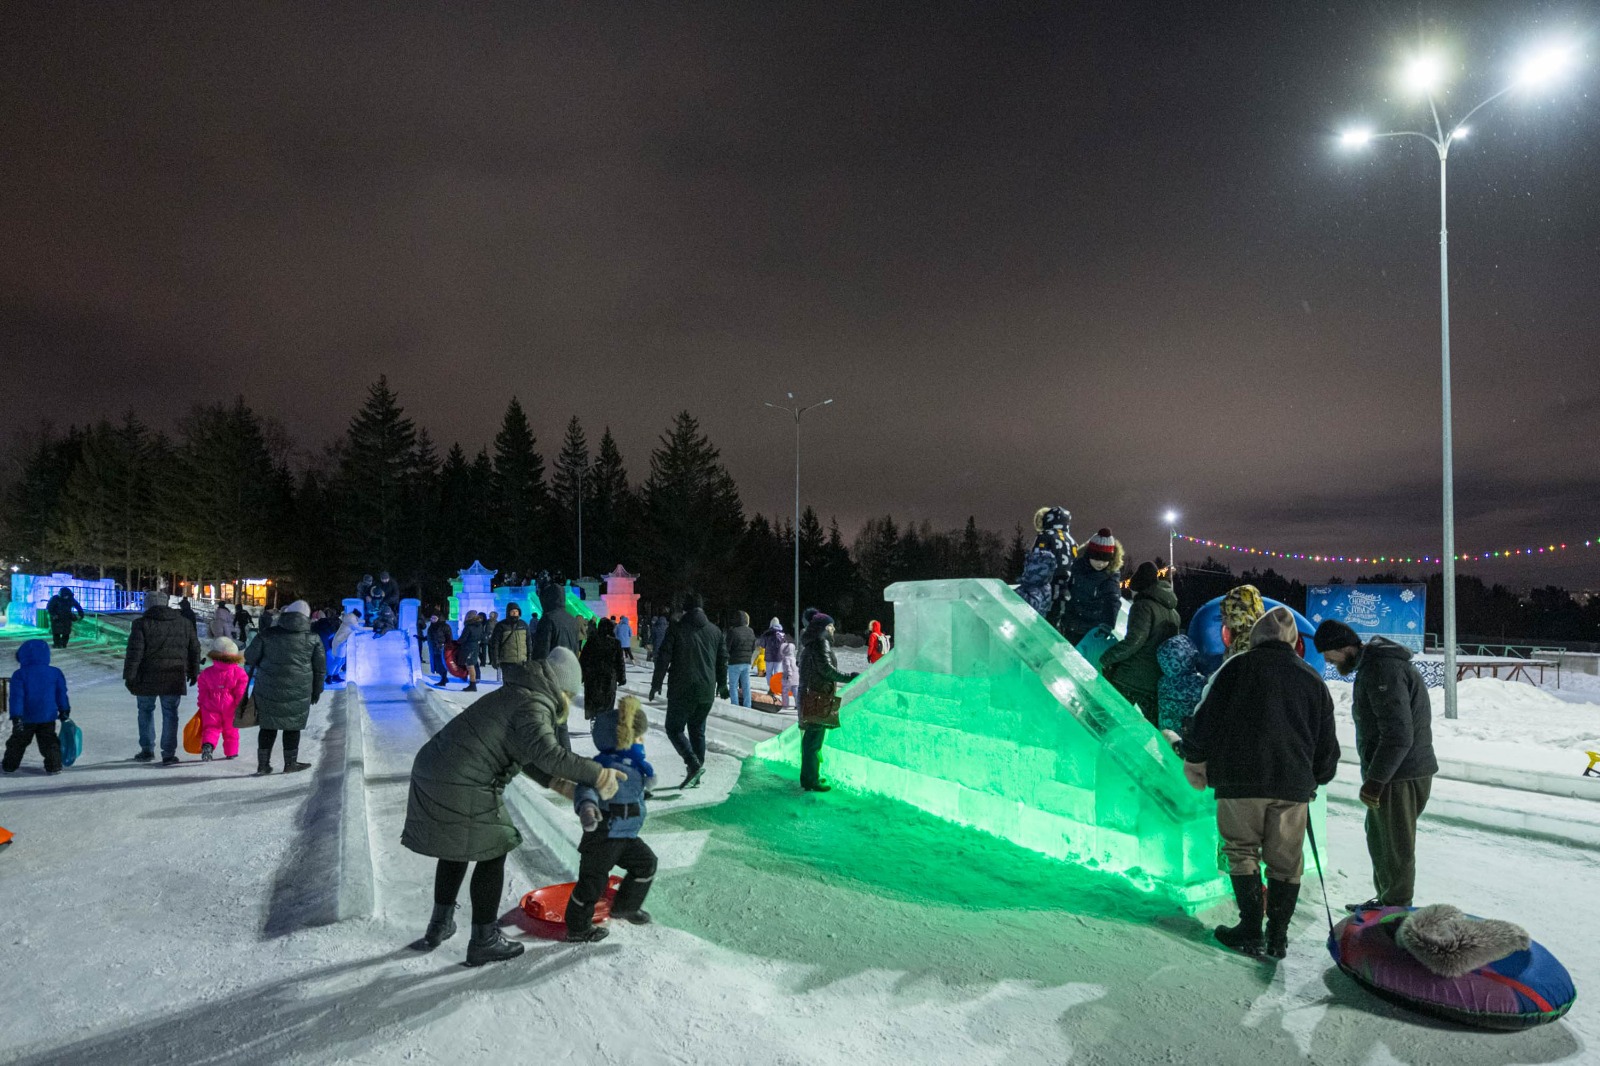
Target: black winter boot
(263, 762)
(638, 917)
(1245, 937)
(1281, 898)
(592, 935)
(487, 945)
(441, 927)
(291, 761)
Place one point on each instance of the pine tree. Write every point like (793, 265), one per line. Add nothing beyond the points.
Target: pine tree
(611, 513)
(812, 543)
(233, 532)
(694, 520)
(475, 539)
(80, 530)
(573, 480)
(1016, 556)
(520, 501)
(376, 461)
(969, 557)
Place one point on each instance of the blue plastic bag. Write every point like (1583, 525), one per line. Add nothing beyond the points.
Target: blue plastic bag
(71, 742)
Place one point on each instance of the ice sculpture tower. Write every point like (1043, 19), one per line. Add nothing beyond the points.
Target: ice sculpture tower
(472, 592)
(983, 715)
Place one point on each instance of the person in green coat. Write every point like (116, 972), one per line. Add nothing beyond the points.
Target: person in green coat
(288, 666)
(1130, 664)
(457, 813)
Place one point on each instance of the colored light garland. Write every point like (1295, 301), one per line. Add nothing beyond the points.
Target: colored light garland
(1372, 560)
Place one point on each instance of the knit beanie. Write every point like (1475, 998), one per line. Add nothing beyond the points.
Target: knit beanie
(1276, 624)
(298, 607)
(1102, 546)
(1145, 577)
(224, 646)
(1333, 635)
(564, 670)
(1242, 607)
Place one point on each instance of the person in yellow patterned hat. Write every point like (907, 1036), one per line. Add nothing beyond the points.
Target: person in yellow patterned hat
(1242, 608)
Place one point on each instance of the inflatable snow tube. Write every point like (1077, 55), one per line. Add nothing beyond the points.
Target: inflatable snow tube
(1205, 630)
(1522, 990)
(452, 660)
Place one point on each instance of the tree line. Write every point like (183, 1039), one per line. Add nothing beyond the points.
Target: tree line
(228, 497)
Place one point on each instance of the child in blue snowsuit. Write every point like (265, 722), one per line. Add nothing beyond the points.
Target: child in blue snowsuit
(38, 700)
(1181, 686)
(611, 827)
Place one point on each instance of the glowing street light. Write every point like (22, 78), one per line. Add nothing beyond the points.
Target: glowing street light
(1171, 519)
(1425, 73)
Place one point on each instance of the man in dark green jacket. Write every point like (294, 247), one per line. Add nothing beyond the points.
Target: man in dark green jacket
(694, 662)
(1394, 738)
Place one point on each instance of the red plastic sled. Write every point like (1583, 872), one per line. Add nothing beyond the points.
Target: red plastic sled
(547, 907)
(5, 838)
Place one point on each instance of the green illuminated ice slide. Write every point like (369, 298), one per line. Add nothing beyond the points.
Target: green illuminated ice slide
(983, 715)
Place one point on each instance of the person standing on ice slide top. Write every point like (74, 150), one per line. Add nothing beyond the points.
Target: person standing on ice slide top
(1046, 577)
(819, 678)
(693, 661)
(456, 811)
(1263, 737)
(1394, 738)
(1096, 588)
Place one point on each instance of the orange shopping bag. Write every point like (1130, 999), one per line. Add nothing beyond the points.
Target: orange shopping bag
(191, 735)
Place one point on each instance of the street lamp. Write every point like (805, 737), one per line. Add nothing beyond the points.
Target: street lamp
(1425, 73)
(797, 411)
(1171, 519)
(582, 470)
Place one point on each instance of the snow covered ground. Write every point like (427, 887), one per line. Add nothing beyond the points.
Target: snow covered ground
(164, 916)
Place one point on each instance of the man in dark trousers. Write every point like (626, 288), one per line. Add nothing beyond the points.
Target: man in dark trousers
(557, 627)
(162, 661)
(1263, 738)
(64, 611)
(1394, 737)
(693, 661)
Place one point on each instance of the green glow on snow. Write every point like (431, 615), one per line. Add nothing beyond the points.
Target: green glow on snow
(984, 716)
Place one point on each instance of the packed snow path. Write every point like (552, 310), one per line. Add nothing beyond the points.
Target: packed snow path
(164, 916)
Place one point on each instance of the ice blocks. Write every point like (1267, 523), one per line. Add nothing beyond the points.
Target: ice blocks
(983, 715)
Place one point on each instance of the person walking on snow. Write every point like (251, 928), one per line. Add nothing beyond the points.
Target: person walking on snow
(1130, 664)
(877, 642)
(658, 633)
(162, 661)
(1263, 738)
(819, 676)
(439, 638)
(456, 810)
(603, 671)
(771, 641)
(1096, 589)
(221, 689)
(508, 640)
(611, 830)
(38, 699)
(693, 661)
(221, 623)
(65, 611)
(741, 641)
(625, 637)
(789, 667)
(469, 647)
(289, 669)
(1394, 739)
(557, 627)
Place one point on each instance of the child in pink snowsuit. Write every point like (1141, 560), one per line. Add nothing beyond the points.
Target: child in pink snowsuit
(222, 688)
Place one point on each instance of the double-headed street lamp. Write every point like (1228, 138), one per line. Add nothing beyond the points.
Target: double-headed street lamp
(797, 411)
(1425, 74)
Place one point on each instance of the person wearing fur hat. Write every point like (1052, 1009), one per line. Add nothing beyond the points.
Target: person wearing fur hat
(456, 810)
(611, 827)
(221, 689)
(1047, 570)
(289, 668)
(1263, 737)
(1096, 588)
(819, 675)
(1130, 664)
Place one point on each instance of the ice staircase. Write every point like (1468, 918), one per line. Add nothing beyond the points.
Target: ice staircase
(983, 715)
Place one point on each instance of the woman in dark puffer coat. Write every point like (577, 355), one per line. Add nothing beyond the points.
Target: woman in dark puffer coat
(289, 668)
(1131, 664)
(457, 813)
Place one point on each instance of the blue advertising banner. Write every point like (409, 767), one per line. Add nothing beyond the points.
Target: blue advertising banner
(1398, 612)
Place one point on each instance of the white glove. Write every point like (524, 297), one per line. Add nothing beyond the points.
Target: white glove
(589, 815)
(565, 787)
(607, 783)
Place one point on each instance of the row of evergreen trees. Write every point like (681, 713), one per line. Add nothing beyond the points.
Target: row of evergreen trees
(229, 497)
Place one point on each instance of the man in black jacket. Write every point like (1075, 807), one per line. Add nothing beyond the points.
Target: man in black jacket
(162, 661)
(1263, 738)
(557, 628)
(1394, 737)
(694, 662)
(64, 611)
(741, 640)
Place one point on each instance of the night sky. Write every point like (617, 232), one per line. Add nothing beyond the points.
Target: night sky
(1102, 255)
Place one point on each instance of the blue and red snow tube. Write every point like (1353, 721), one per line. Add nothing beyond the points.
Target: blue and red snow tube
(1520, 991)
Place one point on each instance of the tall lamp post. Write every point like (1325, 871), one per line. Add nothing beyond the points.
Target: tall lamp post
(1171, 518)
(797, 412)
(1424, 74)
(582, 470)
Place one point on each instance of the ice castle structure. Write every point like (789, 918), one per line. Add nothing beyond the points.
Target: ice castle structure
(984, 716)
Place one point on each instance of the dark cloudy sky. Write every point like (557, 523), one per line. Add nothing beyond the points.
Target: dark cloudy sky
(1105, 255)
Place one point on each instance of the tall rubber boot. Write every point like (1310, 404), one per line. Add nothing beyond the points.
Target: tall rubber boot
(487, 945)
(1281, 900)
(1246, 936)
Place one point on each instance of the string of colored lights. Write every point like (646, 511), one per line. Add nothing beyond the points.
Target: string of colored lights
(1371, 560)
